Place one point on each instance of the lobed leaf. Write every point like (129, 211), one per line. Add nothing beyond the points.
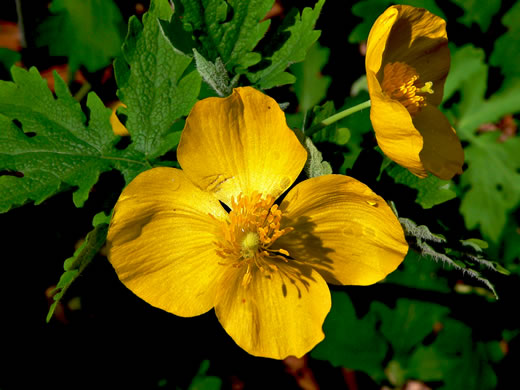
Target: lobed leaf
(155, 83)
(348, 336)
(75, 265)
(506, 52)
(47, 144)
(431, 191)
(478, 12)
(295, 36)
(227, 29)
(88, 32)
(311, 86)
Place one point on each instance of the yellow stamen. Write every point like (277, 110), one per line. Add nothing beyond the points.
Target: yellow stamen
(246, 239)
(401, 82)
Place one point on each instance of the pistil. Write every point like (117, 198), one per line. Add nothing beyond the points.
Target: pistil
(246, 239)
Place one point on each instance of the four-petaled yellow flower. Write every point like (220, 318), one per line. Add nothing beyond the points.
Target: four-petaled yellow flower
(407, 63)
(263, 266)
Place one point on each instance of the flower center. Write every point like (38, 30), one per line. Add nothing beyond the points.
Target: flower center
(401, 82)
(246, 239)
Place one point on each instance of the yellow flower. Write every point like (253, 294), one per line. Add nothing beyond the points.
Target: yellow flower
(263, 266)
(407, 63)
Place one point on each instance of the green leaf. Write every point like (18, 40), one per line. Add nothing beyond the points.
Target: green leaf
(506, 52)
(466, 62)
(478, 12)
(492, 181)
(419, 273)
(201, 381)
(311, 86)
(8, 58)
(75, 265)
(492, 178)
(409, 323)
(57, 146)
(350, 341)
(315, 166)
(215, 74)
(469, 366)
(358, 125)
(88, 32)
(431, 191)
(227, 29)
(294, 37)
(155, 82)
(369, 11)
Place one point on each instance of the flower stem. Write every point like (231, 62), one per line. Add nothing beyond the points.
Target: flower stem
(336, 117)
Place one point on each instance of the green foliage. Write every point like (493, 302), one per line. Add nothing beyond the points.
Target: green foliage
(348, 336)
(369, 10)
(506, 53)
(464, 255)
(431, 191)
(478, 12)
(311, 85)
(228, 30)
(88, 32)
(315, 166)
(419, 273)
(491, 181)
(8, 58)
(48, 144)
(201, 381)
(155, 83)
(294, 37)
(397, 350)
(82, 257)
(215, 74)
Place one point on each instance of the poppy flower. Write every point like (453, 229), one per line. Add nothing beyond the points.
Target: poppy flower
(407, 62)
(211, 235)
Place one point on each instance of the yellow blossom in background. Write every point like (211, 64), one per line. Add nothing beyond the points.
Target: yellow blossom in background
(117, 127)
(263, 266)
(407, 63)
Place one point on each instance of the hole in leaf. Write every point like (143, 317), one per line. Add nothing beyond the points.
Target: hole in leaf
(230, 12)
(499, 187)
(123, 143)
(7, 172)
(17, 123)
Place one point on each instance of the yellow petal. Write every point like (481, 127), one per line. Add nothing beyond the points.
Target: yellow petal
(342, 229)
(240, 144)
(277, 314)
(377, 39)
(414, 36)
(395, 132)
(442, 154)
(160, 242)
(117, 127)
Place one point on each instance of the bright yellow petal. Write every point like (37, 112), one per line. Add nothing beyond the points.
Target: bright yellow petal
(414, 36)
(342, 229)
(240, 144)
(419, 39)
(395, 132)
(442, 154)
(277, 314)
(160, 242)
(117, 127)
(377, 39)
